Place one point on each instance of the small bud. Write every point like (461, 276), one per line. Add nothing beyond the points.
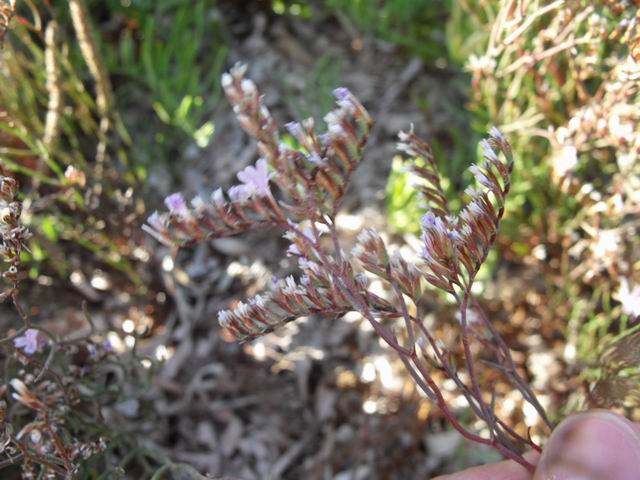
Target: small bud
(497, 134)
(75, 176)
(487, 151)
(218, 197)
(156, 221)
(239, 193)
(227, 80)
(248, 87)
(198, 203)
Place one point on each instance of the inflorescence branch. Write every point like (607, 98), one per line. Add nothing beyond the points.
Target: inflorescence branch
(311, 180)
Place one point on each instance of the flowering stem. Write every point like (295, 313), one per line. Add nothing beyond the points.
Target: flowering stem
(488, 416)
(510, 369)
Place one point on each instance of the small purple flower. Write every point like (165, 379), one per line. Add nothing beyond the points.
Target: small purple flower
(342, 93)
(256, 179)
(30, 342)
(289, 286)
(259, 301)
(176, 205)
(455, 236)
(293, 250)
(294, 129)
(433, 225)
(224, 318)
(428, 220)
(333, 118)
(345, 99)
(106, 344)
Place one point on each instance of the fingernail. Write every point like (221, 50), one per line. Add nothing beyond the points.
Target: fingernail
(597, 445)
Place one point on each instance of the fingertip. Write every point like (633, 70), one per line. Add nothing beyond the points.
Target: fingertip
(592, 445)
(507, 470)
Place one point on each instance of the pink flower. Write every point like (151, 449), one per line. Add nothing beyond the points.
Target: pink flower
(256, 179)
(30, 342)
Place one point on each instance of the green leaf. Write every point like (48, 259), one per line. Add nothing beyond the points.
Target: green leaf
(203, 135)
(49, 228)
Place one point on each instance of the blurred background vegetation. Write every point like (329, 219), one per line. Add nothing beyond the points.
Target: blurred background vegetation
(108, 106)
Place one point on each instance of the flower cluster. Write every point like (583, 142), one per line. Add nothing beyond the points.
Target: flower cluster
(425, 167)
(456, 246)
(254, 117)
(59, 392)
(7, 11)
(318, 291)
(13, 235)
(44, 437)
(289, 301)
(313, 176)
(243, 207)
(311, 180)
